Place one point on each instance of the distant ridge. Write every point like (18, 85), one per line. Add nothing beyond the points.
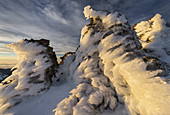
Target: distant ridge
(6, 71)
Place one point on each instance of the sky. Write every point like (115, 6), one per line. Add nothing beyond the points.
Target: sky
(61, 21)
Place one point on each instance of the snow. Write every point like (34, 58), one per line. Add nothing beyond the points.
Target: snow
(130, 72)
(29, 78)
(154, 37)
(93, 87)
(110, 73)
(112, 47)
(108, 20)
(90, 13)
(44, 103)
(64, 69)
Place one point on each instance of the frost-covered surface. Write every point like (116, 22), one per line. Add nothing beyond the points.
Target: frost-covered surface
(44, 103)
(154, 36)
(64, 70)
(33, 75)
(94, 91)
(112, 71)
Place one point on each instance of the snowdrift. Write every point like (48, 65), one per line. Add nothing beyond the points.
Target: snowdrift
(115, 69)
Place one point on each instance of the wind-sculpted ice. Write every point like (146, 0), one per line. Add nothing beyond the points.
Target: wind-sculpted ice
(36, 66)
(154, 35)
(111, 69)
(114, 69)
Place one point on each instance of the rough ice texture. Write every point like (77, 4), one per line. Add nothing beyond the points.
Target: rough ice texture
(64, 67)
(35, 68)
(154, 35)
(111, 69)
(107, 18)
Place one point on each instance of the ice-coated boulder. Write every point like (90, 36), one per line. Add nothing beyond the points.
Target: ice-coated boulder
(37, 65)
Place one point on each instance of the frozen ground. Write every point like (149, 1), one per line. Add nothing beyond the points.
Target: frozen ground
(45, 103)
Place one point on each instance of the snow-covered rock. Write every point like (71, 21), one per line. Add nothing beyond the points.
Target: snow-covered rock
(36, 66)
(154, 35)
(64, 67)
(111, 69)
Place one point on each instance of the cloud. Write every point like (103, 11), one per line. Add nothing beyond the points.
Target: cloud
(7, 61)
(55, 15)
(3, 48)
(58, 21)
(61, 21)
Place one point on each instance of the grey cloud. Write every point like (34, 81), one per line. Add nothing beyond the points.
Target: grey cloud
(5, 42)
(61, 21)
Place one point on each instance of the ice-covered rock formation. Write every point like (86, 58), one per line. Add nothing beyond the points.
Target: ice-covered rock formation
(154, 35)
(111, 70)
(37, 65)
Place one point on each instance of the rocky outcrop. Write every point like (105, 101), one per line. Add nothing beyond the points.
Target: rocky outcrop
(66, 55)
(154, 37)
(111, 69)
(37, 65)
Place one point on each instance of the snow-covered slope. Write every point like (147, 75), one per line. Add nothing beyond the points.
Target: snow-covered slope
(112, 71)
